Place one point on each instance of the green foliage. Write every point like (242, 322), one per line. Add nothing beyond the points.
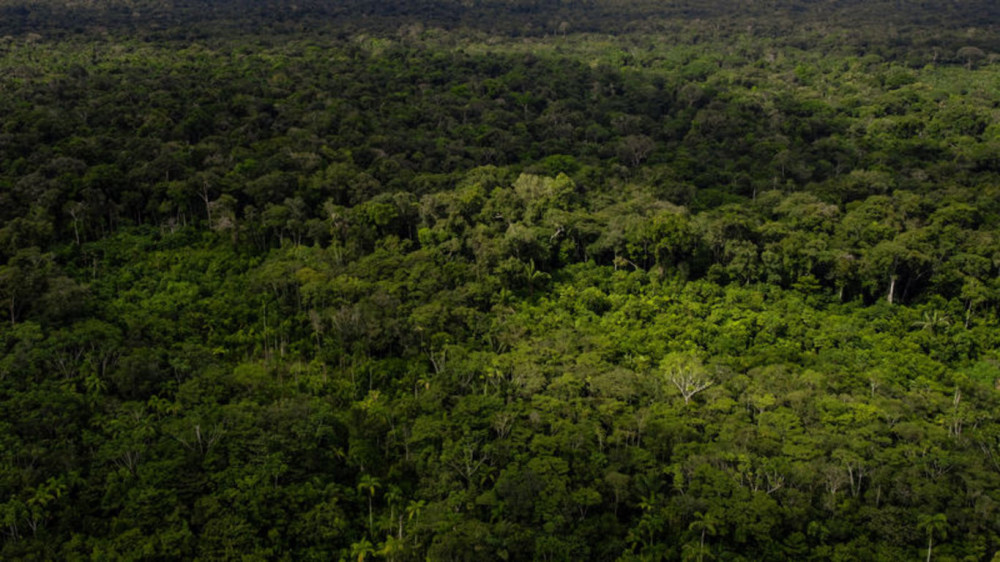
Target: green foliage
(499, 285)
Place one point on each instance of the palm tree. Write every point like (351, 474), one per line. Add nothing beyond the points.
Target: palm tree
(936, 524)
(705, 523)
(933, 321)
(369, 483)
(391, 547)
(393, 496)
(534, 277)
(413, 510)
(361, 549)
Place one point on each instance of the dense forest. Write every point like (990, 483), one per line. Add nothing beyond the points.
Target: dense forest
(484, 280)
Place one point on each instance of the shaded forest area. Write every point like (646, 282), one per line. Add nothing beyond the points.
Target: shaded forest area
(870, 22)
(532, 281)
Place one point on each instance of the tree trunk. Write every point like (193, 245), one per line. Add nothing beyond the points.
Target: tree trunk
(701, 549)
(208, 205)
